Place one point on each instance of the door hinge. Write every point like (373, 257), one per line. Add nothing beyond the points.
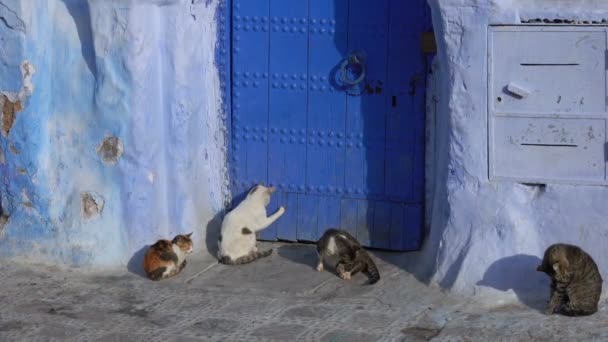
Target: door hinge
(428, 44)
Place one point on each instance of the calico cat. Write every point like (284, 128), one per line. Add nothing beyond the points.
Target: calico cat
(237, 242)
(352, 258)
(166, 258)
(576, 283)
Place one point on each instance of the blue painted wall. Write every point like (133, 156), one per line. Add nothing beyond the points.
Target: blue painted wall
(141, 71)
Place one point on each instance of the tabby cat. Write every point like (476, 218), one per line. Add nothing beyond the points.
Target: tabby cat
(237, 240)
(576, 283)
(166, 258)
(352, 258)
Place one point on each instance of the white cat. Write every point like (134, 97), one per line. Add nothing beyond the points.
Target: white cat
(237, 238)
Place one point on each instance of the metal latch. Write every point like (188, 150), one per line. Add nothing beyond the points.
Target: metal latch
(517, 90)
(428, 43)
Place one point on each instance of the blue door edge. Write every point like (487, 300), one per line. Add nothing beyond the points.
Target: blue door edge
(223, 61)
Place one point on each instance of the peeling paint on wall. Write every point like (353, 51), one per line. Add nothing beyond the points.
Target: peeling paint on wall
(110, 150)
(9, 111)
(92, 204)
(4, 218)
(11, 103)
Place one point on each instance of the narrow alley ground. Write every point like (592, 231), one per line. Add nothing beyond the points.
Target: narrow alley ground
(280, 298)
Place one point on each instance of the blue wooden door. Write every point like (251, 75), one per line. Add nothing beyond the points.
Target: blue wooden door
(340, 155)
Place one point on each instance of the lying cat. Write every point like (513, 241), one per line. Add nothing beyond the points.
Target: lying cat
(352, 258)
(576, 283)
(237, 238)
(166, 258)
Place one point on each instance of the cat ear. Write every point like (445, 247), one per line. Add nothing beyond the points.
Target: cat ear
(188, 235)
(561, 267)
(563, 263)
(253, 189)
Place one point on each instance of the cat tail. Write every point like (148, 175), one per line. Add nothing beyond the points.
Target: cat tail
(245, 259)
(372, 272)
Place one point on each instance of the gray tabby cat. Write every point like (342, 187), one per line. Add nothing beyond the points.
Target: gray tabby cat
(352, 258)
(576, 283)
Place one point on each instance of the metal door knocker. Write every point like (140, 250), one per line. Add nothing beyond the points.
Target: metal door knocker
(352, 69)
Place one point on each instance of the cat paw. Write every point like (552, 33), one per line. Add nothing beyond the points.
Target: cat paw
(281, 210)
(345, 275)
(320, 267)
(550, 311)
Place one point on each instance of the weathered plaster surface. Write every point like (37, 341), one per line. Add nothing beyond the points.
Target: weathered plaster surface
(118, 143)
(144, 72)
(487, 235)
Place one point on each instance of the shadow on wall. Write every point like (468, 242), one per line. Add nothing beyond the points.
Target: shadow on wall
(212, 233)
(80, 12)
(136, 263)
(518, 273)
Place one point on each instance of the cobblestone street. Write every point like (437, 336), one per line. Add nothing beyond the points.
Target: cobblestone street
(280, 298)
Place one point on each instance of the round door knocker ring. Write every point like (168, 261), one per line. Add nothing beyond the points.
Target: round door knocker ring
(353, 62)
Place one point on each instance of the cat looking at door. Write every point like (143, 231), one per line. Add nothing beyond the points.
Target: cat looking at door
(237, 241)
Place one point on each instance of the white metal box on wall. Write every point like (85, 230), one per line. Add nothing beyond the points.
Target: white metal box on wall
(547, 103)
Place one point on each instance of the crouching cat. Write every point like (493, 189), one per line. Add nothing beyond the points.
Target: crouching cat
(237, 242)
(352, 258)
(576, 283)
(166, 258)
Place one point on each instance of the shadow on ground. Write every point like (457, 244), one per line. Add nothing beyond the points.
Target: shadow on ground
(300, 254)
(136, 263)
(518, 273)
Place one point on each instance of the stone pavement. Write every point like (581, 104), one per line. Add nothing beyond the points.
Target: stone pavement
(280, 298)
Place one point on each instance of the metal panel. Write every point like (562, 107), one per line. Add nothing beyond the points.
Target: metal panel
(543, 149)
(326, 107)
(308, 213)
(287, 112)
(547, 104)
(405, 107)
(329, 214)
(353, 162)
(380, 235)
(550, 71)
(249, 93)
(348, 215)
(366, 114)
